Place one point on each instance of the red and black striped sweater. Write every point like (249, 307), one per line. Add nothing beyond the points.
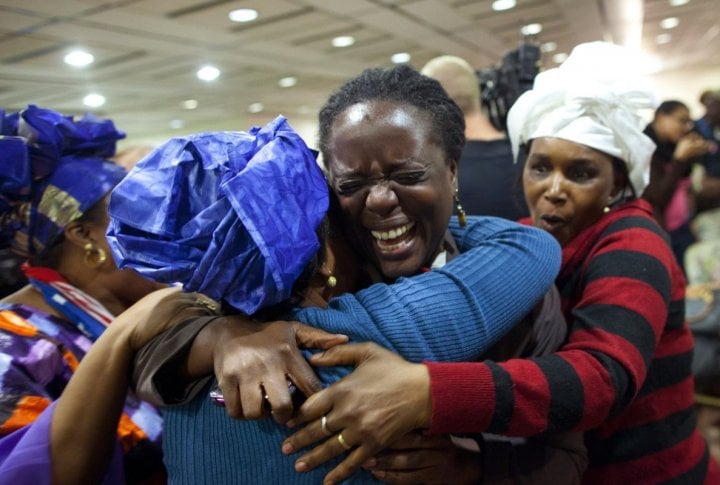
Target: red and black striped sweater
(623, 376)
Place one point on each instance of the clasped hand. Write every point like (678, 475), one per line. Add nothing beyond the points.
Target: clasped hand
(254, 361)
(382, 400)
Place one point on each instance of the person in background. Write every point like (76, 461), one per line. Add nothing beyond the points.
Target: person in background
(706, 182)
(76, 439)
(624, 375)
(54, 183)
(669, 191)
(488, 179)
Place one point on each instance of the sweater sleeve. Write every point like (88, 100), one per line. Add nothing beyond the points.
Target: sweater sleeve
(615, 328)
(457, 312)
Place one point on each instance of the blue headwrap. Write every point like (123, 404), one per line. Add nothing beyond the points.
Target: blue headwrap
(230, 214)
(52, 170)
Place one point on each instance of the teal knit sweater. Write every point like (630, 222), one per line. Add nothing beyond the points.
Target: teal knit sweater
(455, 313)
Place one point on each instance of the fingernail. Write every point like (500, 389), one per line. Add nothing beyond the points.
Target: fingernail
(290, 424)
(370, 463)
(301, 466)
(288, 449)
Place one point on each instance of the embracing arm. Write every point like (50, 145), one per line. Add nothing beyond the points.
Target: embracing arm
(455, 313)
(615, 330)
(85, 419)
(459, 311)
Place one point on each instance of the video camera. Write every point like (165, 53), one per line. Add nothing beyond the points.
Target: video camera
(501, 86)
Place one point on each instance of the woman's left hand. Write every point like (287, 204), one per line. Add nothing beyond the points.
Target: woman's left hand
(419, 458)
(381, 401)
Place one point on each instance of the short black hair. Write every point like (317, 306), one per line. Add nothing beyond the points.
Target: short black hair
(401, 84)
(669, 107)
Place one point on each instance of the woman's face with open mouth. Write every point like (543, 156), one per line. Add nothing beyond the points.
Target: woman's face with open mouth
(567, 186)
(394, 184)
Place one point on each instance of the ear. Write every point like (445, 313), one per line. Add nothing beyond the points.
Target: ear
(78, 234)
(453, 166)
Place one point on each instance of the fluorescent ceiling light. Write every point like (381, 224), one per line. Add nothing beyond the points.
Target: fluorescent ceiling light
(189, 104)
(669, 23)
(677, 3)
(560, 57)
(256, 107)
(500, 5)
(243, 15)
(287, 82)
(663, 39)
(79, 58)
(94, 100)
(343, 41)
(208, 73)
(531, 29)
(400, 58)
(548, 47)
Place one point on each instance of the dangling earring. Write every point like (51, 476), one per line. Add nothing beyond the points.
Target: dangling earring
(462, 219)
(611, 202)
(94, 256)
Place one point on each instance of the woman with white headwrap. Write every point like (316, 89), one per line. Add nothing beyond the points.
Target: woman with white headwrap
(624, 375)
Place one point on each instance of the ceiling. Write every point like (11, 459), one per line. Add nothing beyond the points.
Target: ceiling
(148, 51)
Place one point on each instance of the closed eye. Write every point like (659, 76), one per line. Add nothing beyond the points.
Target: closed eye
(409, 178)
(349, 187)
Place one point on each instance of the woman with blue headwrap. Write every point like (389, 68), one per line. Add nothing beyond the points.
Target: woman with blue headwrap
(217, 198)
(54, 181)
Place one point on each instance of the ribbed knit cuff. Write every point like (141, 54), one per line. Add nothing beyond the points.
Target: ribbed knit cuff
(463, 397)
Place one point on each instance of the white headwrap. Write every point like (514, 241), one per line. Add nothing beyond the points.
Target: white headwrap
(590, 99)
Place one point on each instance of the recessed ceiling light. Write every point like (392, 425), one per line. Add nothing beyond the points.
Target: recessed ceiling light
(663, 38)
(94, 100)
(208, 73)
(287, 82)
(500, 5)
(79, 58)
(189, 104)
(669, 23)
(343, 41)
(548, 47)
(256, 107)
(176, 124)
(531, 29)
(243, 15)
(401, 58)
(559, 58)
(677, 3)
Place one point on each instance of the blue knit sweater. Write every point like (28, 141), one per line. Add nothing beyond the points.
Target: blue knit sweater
(450, 314)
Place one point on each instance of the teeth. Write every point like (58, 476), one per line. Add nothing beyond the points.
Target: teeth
(393, 233)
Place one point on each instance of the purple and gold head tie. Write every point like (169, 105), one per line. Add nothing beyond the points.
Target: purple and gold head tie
(52, 170)
(230, 214)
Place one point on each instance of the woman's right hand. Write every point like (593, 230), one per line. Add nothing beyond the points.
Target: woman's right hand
(691, 146)
(254, 363)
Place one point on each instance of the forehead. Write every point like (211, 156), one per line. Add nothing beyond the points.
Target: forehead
(560, 149)
(385, 114)
(380, 130)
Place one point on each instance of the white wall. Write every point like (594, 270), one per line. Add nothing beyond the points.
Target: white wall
(686, 85)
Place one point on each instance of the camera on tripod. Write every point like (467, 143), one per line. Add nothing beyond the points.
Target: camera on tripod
(500, 86)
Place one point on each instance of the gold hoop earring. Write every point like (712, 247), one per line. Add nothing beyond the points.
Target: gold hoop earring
(94, 256)
(462, 219)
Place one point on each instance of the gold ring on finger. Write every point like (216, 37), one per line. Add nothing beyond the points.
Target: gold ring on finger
(342, 442)
(324, 425)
